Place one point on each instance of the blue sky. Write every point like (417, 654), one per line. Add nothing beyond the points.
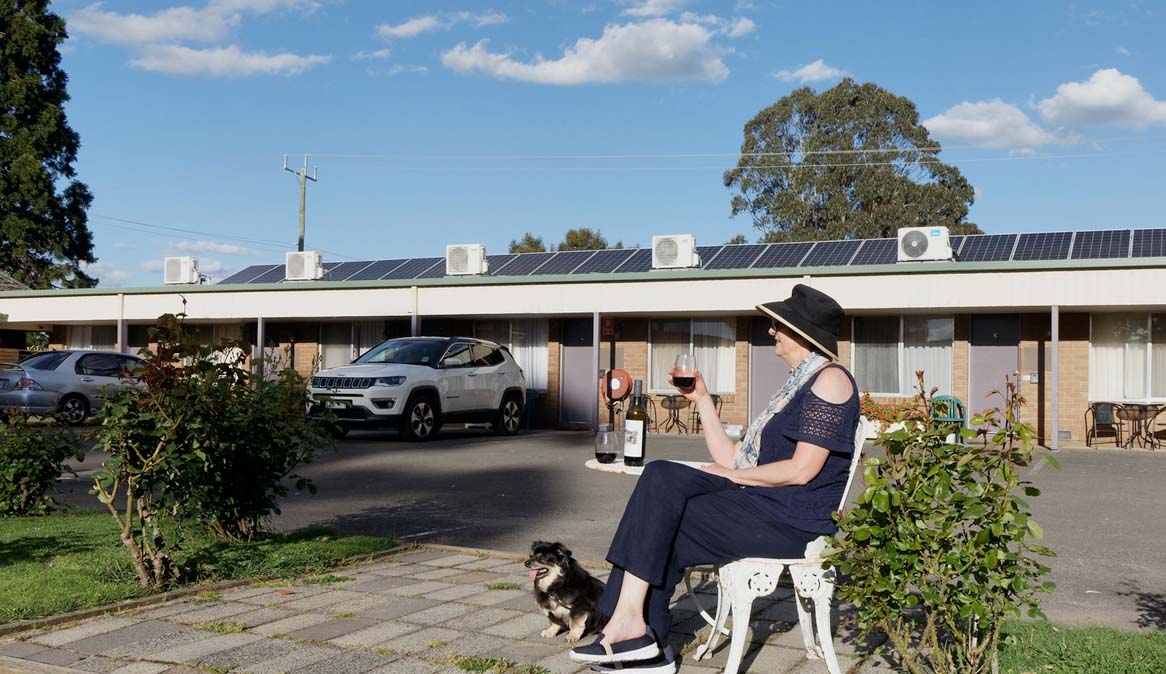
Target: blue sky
(480, 121)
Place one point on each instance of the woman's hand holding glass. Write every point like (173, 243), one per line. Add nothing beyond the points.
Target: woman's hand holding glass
(687, 379)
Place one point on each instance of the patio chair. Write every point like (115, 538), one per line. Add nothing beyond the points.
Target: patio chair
(1102, 418)
(742, 581)
(694, 417)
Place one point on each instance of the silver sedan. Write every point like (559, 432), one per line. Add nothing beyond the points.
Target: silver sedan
(70, 382)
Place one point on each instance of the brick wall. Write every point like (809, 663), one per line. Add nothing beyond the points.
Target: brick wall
(548, 406)
(1073, 388)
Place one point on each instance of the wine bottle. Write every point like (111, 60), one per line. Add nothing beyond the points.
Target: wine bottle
(635, 440)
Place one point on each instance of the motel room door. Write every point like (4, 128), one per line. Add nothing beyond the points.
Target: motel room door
(577, 376)
(994, 354)
(767, 372)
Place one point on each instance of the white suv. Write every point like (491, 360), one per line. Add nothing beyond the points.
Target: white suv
(418, 383)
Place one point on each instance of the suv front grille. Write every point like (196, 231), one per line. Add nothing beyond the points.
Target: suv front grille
(342, 382)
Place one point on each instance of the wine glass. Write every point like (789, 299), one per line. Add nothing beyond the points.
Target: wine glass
(606, 444)
(684, 373)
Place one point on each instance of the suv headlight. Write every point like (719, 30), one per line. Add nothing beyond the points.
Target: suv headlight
(389, 381)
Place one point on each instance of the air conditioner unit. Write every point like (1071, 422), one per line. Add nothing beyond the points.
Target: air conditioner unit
(180, 270)
(304, 266)
(918, 244)
(674, 251)
(465, 259)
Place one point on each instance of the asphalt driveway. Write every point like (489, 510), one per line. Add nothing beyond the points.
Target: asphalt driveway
(1104, 512)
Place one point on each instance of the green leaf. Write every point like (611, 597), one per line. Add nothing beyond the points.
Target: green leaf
(1035, 530)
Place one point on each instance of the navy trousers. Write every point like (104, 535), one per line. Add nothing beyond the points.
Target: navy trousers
(679, 517)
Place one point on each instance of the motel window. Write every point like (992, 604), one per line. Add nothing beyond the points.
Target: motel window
(889, 350)
(527, 341)
(1127, 357)
(713, 342)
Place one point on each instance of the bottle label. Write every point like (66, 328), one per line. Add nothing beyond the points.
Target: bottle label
(633, 438)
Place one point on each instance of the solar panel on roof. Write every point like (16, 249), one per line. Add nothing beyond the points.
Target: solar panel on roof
(523, 264)
(877, 251)
(434, 271)
(640, 261)
(987, 247)
(1101, 244)
(782, 255)
(412, 268)
(1149, 243)
(564, 263)
(1043, 246)
(499, 261)
(737, 257)
(956, 242)
(831, 253)
(708, 254)
(246, 275)
(604, 261)
(273, 275)
(376, 270)
(342, 271)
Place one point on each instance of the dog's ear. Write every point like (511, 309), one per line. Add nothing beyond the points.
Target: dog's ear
(564, 553)
(537, 544)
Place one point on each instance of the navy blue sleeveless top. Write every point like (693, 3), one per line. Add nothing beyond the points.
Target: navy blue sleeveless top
(811, 419)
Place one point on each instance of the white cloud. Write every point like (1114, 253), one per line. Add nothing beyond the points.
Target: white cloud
(991, 123)
(211, 247)
(207, 24)
(107, 274)
(815, 71)
(379, 54)
(222, 61)
(1123, 51)
(152, 265)
(657, 50)
(733, 28)
(425, 24)
(399, 68)
(206, 265)
(1107, 98)
(741, 26)
(122, 245)
(654, 7)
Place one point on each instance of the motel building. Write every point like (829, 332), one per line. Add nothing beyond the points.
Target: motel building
(1074, 317)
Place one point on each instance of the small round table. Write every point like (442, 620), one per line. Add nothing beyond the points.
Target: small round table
(674, 403)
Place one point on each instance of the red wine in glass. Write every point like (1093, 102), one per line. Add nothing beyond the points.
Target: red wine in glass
(684, 372)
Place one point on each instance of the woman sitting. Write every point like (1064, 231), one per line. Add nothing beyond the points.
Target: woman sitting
(766, 496)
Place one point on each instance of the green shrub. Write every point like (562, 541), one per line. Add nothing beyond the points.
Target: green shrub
(203, 445)
(939, 549)
(31, 459)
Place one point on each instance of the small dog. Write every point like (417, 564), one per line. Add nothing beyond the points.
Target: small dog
(565, 592)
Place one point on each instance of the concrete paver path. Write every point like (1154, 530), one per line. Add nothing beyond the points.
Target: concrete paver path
(415, 612)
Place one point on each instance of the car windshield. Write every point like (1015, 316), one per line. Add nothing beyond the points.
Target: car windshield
(45, 361)
(406, 352)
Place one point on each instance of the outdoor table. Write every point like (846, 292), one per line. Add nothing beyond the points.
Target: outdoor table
(674, 403)
(620, 467)
(1141, 418)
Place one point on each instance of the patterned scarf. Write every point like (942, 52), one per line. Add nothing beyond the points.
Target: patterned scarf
(750, 449)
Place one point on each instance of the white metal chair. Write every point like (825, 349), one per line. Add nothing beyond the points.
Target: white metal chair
(742, 581)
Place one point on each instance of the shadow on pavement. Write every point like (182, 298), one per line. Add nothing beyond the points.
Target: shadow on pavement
(1151, 606)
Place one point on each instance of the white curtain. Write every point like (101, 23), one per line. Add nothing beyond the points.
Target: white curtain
(927, 346)
(367, 334)
(79, 337)
(668, 339)
(529, 348)
(1158, 356)
(1117, 362)
(714, 343)
(876, 353)
(335, 345)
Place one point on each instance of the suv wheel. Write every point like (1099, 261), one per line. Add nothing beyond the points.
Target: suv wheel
(75, 409)
(509, 416)
(421, 421)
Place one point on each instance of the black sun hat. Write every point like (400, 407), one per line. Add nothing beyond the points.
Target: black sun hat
(810, 313)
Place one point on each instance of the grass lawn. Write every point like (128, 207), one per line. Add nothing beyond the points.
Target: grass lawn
(59, 563)
(1044, 648)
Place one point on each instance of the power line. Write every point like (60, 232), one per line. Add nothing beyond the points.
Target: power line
(263, 243)
(1083, 142)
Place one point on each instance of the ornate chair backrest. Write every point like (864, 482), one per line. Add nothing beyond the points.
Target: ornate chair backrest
(1103, 414)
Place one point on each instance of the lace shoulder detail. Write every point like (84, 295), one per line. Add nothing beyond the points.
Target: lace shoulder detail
(826, 424)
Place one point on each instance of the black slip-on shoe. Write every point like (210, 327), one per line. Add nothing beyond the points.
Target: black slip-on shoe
(597, 652)
(663, 663)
